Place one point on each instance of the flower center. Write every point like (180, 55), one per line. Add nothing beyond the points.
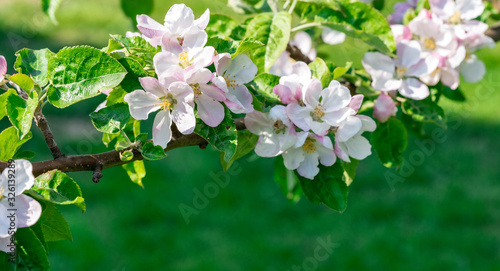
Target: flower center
(309, 146)
(318, 112)
(196, 90)
(184, 60)
(436, 72)
(430, 43)
(180, 40)
(167, 102)
(456, 18)
(279, 127)
(401, 71)
(230, 82)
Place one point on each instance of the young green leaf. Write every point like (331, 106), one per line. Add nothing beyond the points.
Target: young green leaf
(111, 119)
(31, 250)
(80, 73)
(389, 141)
(320, 70)
(264, 84)
(425, 111)
(53, 224)
(10, 143)
(22, 80)
(3, 102)
(136, 171)
(151, 152)
(21, 112)
(134, 72)
(246, 143)
(35, 64)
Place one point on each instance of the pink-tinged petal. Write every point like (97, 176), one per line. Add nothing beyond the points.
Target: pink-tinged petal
(425, 25)
(242, 97)
(473, 69)
(470, 9)
(298, 115)
(332, 37)
(400, 32)
(368, 124)
(222, 62)
(293, 158)
(220, 82)
(28, 211)
(258, 123)
(335, 118)
(202, 57)
(242, 68)
(170, 43)
(379, 65)
(179, 18)
(356, 102)
(284, 93)
(312, 93)
(309, 167)
(278, 112)
(348, 129)
(200, 76)
(409, 53)
(335, 97)
(213, 92)
(359, 148)
(268, 146)
(173, 74)
(163, 61)
(424, 66)
(182, 92)
(282, 66)
(202, 22)
(161, 128)
(443, 8)
(341, 151)
(153, 86)
(149, 27)
(288, 139)
(303, 71)
(414, 89)
(384, 107)
(3, 66)
(450, 77)
(141, 104)
(101, 106)
(5, 221)
(211, 112)
(194, 37)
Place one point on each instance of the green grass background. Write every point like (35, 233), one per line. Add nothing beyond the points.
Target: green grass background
(444, 216)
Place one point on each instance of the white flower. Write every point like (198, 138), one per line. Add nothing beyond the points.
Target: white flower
(13, 182)
(3, 68)
(349, 140)
(291, 87)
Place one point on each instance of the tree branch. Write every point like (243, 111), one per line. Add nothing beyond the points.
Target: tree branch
(494, 32)
(43, 124)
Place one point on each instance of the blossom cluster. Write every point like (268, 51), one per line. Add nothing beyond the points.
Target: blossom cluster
(436, 46)
(298, 130)
(184, 79)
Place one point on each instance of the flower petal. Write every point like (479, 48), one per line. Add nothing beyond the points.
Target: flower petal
(161, 128)
(210, 111)
(309, 167)
(473, 69)
(358, 148)
(240, 100)
(28, 211)
(298, 115)
(153, 86)
(293, 157)
(179, 18)
(268, 146)
(348, 129)
(335, 97)
(141, 104)
(414, 89)
(332, 37)
(258, 123)
(202, 22)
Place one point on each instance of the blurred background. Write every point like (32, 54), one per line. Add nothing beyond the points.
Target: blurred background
(441, 213)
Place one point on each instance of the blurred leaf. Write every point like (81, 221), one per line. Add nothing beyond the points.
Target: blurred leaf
(425, 111)
(10, 143)
(378, 4)
(134, 72)
(264, 84)
(273, 30)
(328, 187)
(136, 171)
(389, 141)
(53, 224)
(50, 7)
(31, 250)
(21, 112)
(287, 180)
(35, 64)
(111, 119)
(151, 152)
(5, 262)
(80, 72)
(223, 26)
(320, 70)
(246, 143)
(222, 137)
(221, 45)
(22, 80)
(24, 155)
(454, 95)
(57, 187)
(350, 170)
(132, 8)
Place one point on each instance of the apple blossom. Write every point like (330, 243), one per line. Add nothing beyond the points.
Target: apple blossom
(321, 108)
(27, 210)
(175, 103)
(3, 68)
(445, 73)
(384, 107)
(276, 131)
(308, 152)
(291, 87)
(398, 74)
(179, 28)
(456, 12)
(231, 75)
(401, 32)
(349, 141)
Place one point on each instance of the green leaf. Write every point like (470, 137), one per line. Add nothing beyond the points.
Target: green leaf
(134, 72)
(328, 187)
(35, 64)
(111, 119)
(425, 111)
(10, 143)
(248, 6)
(221, 45)
(454, 95)
(53, 224)
(126, 156)
(389, 141)
(31, 250)
(223, 26)
(136, 171)
(264, 84)
(379, 4)
(287, 180)
(247, 44)
(6, 264)
(151, 152)
(80, 73)
(273, 30)
(350, 170)
(246, 143)
(320, 70)
(3, 102)
(138, 48)
(117, 95)
(24, 155)
(22, 80)
(57, 187)
(222, 137)
(355, 19)
(50, 7)
(132, 8)
(21, 112)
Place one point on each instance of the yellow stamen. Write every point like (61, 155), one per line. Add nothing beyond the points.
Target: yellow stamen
(430, 43)
(166, 102)
(401, 71)
(196, 90)
(309, 146)
(184, 60)
(2, 190)
(230, 82)
(456, 18)
(319, 112)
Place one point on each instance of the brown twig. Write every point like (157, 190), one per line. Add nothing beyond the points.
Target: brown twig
(43, 124)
